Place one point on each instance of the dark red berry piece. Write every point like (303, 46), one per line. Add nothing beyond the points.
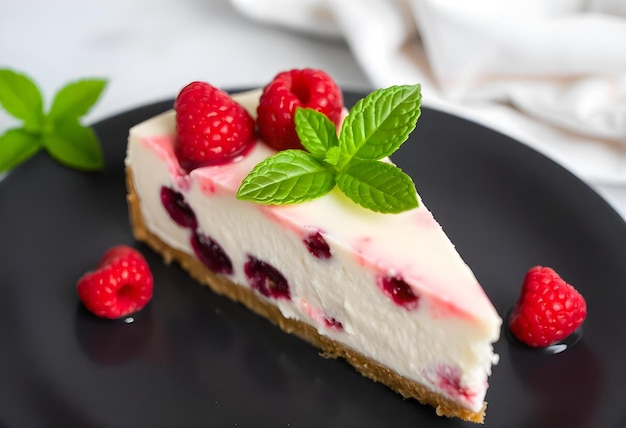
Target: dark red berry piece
(211, 253)
(399, 291)
(266, 279)
(333, 324)
(317, 245)
(178, 209)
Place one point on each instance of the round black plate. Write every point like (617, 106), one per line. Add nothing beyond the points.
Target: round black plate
(192, 358)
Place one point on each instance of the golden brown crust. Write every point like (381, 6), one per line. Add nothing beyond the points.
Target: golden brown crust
(330, 349)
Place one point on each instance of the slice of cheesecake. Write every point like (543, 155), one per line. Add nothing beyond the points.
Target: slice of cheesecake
(387, 292)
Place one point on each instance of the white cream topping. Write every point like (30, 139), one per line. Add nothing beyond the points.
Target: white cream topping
(445, 343)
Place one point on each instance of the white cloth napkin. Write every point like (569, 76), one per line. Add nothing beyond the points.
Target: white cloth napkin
(549, 73)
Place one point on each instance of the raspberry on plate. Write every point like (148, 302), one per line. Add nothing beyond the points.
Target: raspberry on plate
(211, 127)
(548, 309)
(306, 87)
(121, 284)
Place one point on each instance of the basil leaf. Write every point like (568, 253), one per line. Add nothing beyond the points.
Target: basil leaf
(378, 186)
(17, 146)
(379, 123)
(21, 98)
(290, 176)
(74, 145)
(316, 131)
(76, 98)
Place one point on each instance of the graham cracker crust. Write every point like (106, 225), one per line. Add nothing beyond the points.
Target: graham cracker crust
(329, 348)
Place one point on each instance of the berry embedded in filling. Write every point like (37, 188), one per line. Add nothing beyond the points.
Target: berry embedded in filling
(266, 279)
(317, 245)
(449, 381)
(399, 291)
(211, 253)
(333, 324)
(178, 209)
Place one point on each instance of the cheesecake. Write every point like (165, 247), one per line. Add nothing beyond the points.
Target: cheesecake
(388, 293)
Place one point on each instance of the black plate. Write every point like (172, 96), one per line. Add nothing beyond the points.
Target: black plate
(193, 359)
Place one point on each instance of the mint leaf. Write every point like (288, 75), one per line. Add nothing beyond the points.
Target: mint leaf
(332, 156)
(316, 131)
(74, 145)
(379, 123)
(21, 98)
(375, 127)
(290, 176)
(378, 186)
(59, 131)
(17, 146)
(76, 98)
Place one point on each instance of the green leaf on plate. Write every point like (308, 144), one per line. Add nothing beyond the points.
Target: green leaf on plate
(17, 146)
(59, 131)
(76, 98)
(21, 98)
(74, 145)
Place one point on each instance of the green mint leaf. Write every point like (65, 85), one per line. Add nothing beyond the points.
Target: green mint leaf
(73, 145)
(316, 131)
(290, 176)
(375, 127)
(76, 98)
(21, 98)
(379, 123)
(378, 186)
(332, 156)
(17, 146)
(60, 132)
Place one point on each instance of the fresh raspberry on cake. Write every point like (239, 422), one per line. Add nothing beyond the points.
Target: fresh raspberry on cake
(548, 309)
(211, 127)
(291, 89)
(121, 284)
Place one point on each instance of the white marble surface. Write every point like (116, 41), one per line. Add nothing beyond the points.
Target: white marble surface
(148, 49)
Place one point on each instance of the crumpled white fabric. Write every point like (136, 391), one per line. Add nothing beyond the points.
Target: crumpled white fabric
(549, 73)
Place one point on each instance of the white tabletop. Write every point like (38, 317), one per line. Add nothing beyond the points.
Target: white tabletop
(148, 49)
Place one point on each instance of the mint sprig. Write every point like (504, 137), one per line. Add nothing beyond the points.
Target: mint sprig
(375, 127)
(58, 131)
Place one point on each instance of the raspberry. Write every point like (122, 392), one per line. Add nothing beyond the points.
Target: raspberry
(211, 127)
(178, 209)
(211, 253)
(548, 309)
(120, 285)
(317, 245)
(399, 291)
(266, 279)
(290, 89)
